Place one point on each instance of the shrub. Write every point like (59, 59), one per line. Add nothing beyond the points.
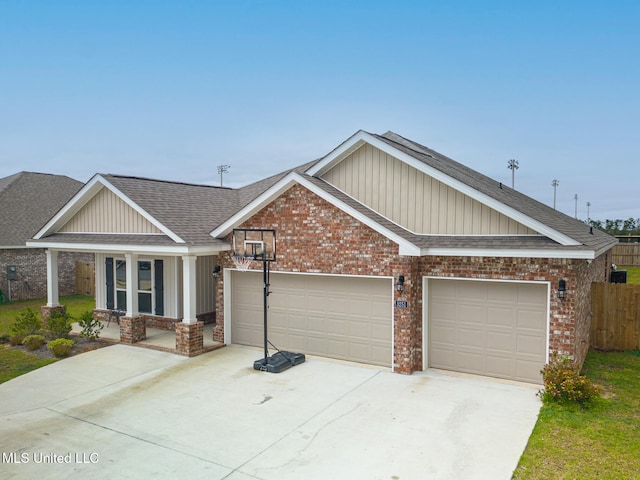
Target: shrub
(26, 323)
(58, 325)
(33, 342)
(60, 347)
(563, 382)
(91, 327)
(16, 340)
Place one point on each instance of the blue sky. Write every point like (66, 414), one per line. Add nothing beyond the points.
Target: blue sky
(171, 89)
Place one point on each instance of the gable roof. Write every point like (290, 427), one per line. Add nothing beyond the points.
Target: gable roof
(192, 216)
(27, 201)
(560, 235)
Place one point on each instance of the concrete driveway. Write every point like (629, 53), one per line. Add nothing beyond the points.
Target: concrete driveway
(129, 412)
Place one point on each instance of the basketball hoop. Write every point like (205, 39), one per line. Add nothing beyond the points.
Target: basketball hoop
(242, 262)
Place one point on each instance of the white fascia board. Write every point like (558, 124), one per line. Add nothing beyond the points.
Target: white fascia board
(516, 253)
(85, 194)
(406, 247)
(124, 248)
(363, 137)
(345, 149)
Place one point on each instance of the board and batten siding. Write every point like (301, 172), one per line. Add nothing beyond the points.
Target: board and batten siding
(205, 297)
(107, 213)
(415, 200)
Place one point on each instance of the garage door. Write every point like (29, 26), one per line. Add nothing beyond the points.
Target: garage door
(498, 329)
(347, 318)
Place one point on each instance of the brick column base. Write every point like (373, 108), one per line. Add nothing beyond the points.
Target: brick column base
(189, 338)
(218, 333)
(45, 311)
(132, 329)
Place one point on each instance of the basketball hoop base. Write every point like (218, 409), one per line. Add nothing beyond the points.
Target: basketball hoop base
(279, 362)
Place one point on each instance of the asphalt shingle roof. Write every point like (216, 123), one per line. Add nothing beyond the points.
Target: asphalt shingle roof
(192, 211)
(571, 227)
(28, 200)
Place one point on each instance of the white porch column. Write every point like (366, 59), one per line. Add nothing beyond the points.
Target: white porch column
(189, 288)
(53, 298)
(132, 284)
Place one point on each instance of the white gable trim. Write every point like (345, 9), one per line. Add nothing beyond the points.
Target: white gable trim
(130, 248)
(406, 247)
(361, 137)
(85, 194)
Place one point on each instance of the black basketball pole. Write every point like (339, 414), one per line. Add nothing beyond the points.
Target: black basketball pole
(265, 279)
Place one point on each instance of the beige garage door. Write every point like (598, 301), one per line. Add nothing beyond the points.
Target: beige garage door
(496, 329)
(347, 318)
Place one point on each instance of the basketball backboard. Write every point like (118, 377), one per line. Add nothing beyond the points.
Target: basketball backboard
(257, 244)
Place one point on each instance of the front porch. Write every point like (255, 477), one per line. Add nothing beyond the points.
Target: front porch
(156, 339)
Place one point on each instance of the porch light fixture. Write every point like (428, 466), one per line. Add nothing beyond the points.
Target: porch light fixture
(562, 289)
(400, 284)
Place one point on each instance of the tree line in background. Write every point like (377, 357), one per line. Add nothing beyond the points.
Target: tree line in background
(630, 226)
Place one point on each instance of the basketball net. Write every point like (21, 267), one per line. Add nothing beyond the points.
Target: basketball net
(242, 262)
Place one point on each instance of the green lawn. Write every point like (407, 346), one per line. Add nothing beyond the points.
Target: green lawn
(633, 274)
(76, 304)
(602, 441)
(15, 362)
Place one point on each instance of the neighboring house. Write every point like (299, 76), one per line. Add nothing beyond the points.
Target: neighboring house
(27, 201)
(388, 253)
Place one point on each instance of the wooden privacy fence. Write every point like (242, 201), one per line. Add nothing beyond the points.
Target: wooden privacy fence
(615, 324)
(85, 278)
(626, 254)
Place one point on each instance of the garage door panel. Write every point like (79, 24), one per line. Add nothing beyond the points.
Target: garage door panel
(348, 318)
(488, 327)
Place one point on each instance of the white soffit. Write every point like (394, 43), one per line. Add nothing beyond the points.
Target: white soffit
(85, 194)
(361, 137)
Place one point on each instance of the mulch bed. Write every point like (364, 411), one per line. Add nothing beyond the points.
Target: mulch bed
(82, 345)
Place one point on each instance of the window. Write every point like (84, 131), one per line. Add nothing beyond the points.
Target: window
(145, 296)
(150, 287)
(121, 284)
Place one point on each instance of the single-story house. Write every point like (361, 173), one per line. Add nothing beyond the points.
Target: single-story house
(27, 201)
(388, 253)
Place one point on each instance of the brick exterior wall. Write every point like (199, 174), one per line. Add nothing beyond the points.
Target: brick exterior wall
(31, 265)
(314, 236)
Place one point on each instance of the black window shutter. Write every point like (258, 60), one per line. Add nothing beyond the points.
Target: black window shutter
(110, 290)
(159, 286)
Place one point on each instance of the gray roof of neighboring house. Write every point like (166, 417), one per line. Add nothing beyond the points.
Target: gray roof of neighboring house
(28, 200)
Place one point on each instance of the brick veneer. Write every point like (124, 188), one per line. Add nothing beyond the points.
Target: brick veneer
(31, 266)
(314, 236)
(45, 311)
(132, 329)
(190, 338)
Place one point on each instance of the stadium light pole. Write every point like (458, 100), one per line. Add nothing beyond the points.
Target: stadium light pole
(588, 217)
(513, 166)
(554, 184)
(575, 197)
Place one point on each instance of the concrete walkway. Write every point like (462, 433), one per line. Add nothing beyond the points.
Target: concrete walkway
(126, 412)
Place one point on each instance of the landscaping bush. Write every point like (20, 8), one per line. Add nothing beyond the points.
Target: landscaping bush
(16, 340)
(60, 347)
(563, 382)
(58, 325)
(26, 323)
(91, 327)
(33, 342)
